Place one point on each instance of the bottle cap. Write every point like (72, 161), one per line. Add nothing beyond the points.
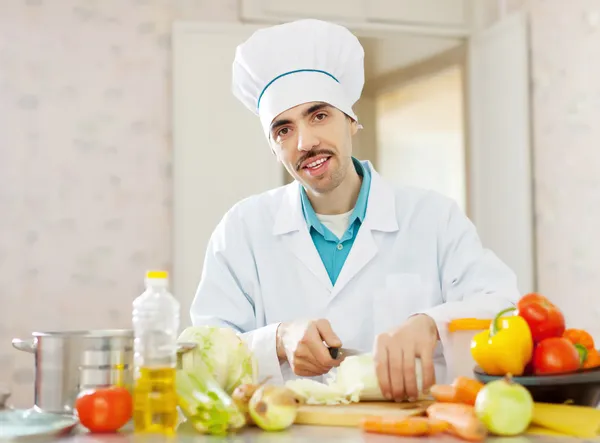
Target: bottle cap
(157, 275)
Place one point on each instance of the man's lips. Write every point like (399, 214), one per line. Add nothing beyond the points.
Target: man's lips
(314, 161)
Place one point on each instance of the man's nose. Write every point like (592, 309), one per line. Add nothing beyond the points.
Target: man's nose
(306, 140)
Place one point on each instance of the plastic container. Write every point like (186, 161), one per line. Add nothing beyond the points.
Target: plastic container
(460, 332)
(155, 323)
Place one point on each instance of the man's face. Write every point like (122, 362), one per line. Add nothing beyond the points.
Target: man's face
(314, 143)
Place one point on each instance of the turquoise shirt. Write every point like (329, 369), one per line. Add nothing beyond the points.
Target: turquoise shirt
(334, 251)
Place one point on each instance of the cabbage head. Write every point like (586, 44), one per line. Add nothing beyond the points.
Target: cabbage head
(223, 352)
(354, 380)
(356, 376)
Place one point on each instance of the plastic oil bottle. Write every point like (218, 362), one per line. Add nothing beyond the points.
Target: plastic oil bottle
(155, 325)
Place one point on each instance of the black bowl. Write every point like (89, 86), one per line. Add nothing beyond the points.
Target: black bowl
(579, 388)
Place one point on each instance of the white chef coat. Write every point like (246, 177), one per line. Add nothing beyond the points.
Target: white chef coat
(416, 252)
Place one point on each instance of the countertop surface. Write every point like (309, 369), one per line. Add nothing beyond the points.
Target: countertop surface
(295, 434)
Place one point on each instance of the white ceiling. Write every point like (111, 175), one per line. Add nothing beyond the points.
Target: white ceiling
(385, 55)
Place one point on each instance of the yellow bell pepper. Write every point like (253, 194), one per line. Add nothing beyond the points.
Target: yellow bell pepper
(506, 347)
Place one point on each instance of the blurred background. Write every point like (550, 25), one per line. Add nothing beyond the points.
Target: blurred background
(121, 145)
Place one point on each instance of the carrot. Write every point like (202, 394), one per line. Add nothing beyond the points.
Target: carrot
(467, 389)
(406, 427)
(437, 426)
(462, 390)
(443, 393)
(461, 418)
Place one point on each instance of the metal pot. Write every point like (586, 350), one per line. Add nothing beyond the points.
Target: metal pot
(68, 362)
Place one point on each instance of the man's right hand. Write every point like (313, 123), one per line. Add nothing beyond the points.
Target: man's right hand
(301, 344)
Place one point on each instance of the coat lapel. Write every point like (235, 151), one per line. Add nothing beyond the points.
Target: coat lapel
(292, 230)
(380, 216)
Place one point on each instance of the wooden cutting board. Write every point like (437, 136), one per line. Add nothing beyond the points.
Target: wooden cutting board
(350, 415)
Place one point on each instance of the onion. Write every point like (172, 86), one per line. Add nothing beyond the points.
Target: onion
(273, 408)
(505, 407)
(241, 397)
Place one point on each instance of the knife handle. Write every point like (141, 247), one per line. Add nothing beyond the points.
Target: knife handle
(334, 352)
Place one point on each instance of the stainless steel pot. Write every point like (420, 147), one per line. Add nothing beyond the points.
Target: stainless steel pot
(69, 361)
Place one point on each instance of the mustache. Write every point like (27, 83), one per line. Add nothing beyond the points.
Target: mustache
(311, 154)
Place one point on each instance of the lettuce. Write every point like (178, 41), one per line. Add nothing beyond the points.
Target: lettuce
(205, 405)
(225, 355)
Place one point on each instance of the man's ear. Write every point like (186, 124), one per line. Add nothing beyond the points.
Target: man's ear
(272, 148)
(354, 126)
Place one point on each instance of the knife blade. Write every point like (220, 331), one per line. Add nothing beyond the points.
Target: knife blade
(346, 352)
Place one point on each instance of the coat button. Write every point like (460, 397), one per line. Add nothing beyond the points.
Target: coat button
(340, 246)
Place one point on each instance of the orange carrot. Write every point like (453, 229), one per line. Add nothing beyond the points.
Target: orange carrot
(462, 390)
(466, 389)
(463, 422)
(443, 393)
(437, 426)
(406, 427)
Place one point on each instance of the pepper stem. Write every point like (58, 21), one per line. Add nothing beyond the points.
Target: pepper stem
(496, 322)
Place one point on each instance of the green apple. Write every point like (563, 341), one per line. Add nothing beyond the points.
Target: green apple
(505, 407)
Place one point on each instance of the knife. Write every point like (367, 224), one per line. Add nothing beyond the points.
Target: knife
(346, 352)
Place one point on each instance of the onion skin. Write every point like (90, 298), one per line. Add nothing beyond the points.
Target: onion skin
(273, 408)
(241, 397)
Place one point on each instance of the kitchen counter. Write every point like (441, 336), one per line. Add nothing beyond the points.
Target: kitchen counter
(297, 434)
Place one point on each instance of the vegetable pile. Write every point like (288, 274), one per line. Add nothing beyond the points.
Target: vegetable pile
(532, 339)
(217, 388)
(466, 409)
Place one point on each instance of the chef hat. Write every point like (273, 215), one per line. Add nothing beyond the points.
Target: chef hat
(303, 61)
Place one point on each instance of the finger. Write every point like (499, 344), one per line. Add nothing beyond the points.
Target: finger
(306, 368)
(380, 357)
(410, 375)
(327, 334)
(318, 349)
(397, 379)
(427, 368)
(304, 354)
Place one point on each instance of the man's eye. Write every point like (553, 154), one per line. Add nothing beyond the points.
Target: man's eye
(282, 132)
(320, 116)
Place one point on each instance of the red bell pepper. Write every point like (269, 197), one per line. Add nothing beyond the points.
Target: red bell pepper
(544, 318)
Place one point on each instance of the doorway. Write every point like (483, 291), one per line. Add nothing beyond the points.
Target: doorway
(418, 125)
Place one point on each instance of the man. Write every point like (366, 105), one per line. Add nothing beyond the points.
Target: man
(339, 257)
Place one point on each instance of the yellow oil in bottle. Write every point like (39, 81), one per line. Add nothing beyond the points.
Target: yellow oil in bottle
(155, 401)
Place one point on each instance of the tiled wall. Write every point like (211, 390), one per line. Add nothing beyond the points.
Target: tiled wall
(566, 99)
(85, 160)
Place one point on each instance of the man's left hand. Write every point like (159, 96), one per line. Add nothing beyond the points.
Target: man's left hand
(395, 353)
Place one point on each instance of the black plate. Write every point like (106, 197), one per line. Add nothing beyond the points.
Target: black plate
(579, 388)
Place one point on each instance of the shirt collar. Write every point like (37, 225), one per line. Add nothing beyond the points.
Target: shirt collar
(360, 209)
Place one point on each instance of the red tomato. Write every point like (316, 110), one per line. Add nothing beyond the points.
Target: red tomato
(555, 355)
(545, 320)
(104, 409)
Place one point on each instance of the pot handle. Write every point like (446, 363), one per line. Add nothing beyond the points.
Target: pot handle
(24, 345)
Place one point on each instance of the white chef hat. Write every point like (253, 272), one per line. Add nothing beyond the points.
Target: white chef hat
(303, 61)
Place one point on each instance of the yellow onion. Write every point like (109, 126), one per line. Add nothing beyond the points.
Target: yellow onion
(241, 397)
(273, 408)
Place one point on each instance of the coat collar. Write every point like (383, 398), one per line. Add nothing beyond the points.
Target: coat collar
(381, 207)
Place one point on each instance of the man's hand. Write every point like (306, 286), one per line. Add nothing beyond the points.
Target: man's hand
(395, 353)
(301, 344)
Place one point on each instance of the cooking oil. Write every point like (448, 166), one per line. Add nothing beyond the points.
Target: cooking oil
(155, 402)
(155, 325)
